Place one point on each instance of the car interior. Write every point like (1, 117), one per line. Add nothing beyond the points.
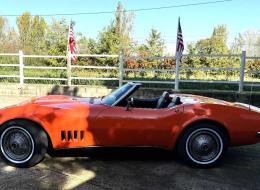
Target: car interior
(164, 101)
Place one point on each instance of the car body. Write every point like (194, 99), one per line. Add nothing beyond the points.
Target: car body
(63, 122)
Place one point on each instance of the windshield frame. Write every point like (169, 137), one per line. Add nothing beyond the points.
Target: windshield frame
(117, 100)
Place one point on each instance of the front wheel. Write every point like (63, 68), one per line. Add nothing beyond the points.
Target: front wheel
(202, 145)
(22, 143)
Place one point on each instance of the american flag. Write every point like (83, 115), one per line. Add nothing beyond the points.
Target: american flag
(72, 43)
(179, 44)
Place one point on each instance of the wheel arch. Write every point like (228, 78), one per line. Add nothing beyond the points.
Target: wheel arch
(50, 146)
(216, 123)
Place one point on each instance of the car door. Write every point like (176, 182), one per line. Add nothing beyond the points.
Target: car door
(116, 126)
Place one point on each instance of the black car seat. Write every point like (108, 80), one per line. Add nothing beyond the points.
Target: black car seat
(164, 100)
(176, 100)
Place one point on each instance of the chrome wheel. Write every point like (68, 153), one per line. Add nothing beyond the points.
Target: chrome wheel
(17, 144)
(204, 146)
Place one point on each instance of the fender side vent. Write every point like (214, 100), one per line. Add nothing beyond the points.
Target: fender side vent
(63, 136)
(81, 135)
(69, 136)
(75, 135)
(72, 135)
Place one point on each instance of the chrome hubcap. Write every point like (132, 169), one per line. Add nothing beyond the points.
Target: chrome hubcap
(17, 144)
(204, 146)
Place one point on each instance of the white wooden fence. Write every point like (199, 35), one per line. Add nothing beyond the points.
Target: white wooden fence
(121, 70)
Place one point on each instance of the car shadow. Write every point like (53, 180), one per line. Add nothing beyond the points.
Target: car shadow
(118, 153)
(64, 90)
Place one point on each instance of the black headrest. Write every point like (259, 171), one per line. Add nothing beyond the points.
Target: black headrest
(165, 95)
(176, 100)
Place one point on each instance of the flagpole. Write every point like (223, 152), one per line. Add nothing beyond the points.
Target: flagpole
(177, 71)
(177, 61)
(68, 58)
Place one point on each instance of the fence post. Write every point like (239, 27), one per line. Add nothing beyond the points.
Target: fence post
(242, 72)
(69, 68)
(21, 67)
(121, 69)
(177, 72)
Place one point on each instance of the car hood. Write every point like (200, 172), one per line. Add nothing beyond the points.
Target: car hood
(58, 99)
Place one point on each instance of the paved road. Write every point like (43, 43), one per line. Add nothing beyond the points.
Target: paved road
(133, 169)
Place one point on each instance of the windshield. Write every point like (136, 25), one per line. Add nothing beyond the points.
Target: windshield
(114, 96)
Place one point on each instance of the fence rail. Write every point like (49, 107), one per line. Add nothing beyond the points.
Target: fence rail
(121, 70)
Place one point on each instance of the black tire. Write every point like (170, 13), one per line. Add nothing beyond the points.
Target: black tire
(202, 145)
(22, 143)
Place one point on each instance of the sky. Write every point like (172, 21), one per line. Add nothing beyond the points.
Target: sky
(197, 21)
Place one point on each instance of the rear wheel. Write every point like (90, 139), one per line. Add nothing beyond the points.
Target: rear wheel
(22, 143)
(202, 145)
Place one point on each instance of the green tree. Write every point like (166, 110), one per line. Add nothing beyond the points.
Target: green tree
(191, 48)
(56, 37)
(116, 36)
(203, 46)
(32, 31)
(8, 37)
(56, 40)
(11, 41)
(124, 25)
(238, 44)
(3, 23)
(251, 39)
(155, 44)
(216, 44)
(37, 34)
(108, 41)
(258, 46)
(218, 40)
(86, 45)
(24, 24)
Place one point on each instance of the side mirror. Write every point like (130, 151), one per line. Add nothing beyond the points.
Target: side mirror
(130, 102)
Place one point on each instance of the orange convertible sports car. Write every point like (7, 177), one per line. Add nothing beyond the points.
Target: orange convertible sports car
(199, 128)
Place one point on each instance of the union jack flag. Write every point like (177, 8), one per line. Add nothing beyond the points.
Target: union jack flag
(179, 44)
(72, 43)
